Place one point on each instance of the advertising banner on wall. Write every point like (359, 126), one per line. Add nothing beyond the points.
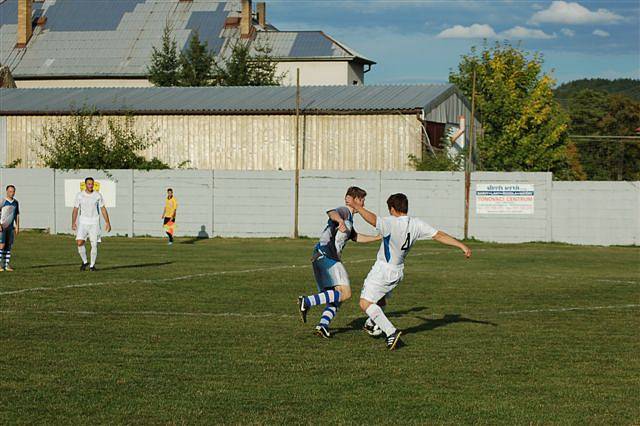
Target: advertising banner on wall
(105, 187)
(500, 198)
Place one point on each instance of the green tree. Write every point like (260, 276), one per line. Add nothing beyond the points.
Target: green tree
(586, 109)
(524, 129)
(165, 62)
(196, 63)
(87, 141)
(248, 66)
(596, 113)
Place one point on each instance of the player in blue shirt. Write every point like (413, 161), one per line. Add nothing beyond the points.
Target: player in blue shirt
(9, 227)
(331, 276)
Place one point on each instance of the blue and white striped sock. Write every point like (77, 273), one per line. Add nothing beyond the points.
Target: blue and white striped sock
(2, 258)
(7, 258)
(329, 314)
(326, 297)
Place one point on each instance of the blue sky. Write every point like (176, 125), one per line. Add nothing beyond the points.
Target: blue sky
(419, 41)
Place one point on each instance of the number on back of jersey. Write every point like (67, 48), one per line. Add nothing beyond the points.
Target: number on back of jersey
(407, 243)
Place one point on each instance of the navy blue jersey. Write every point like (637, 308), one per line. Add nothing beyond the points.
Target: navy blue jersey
(9, 211)
(332, 241)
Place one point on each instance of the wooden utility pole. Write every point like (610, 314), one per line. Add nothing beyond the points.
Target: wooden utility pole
(467, 173)
(297, 178)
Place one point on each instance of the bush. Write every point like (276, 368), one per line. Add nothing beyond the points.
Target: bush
(440, 160)
(84, 142)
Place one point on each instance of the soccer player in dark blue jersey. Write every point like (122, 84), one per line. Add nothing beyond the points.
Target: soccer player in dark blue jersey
(9, 227)
(331, 276)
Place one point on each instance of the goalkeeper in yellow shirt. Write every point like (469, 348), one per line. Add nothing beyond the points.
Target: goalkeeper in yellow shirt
(169, 215)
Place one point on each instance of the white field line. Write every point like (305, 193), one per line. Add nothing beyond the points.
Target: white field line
(153, 313)
(184, 277)
(619, 281)
(577, 308)
(274, 315)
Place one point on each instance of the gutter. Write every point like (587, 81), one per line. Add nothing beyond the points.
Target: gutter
(411, 111)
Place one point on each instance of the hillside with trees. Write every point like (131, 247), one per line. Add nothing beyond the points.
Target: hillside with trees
(622, 86)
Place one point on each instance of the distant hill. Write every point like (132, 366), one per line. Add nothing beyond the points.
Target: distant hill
(624, 86)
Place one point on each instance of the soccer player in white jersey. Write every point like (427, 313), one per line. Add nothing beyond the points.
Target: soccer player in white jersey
(399, 232)
(9, 227)
(85, 220)
(331, 276)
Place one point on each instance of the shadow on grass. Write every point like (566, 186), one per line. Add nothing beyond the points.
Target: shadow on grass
(202, 235)
(433, 323)
(54, 265)
(428, 324)
(358, 323)
(138, 265)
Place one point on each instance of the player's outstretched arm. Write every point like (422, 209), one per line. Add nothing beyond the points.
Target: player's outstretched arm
(358, 207)
(362, 238)
(447, 239)
(335, 216)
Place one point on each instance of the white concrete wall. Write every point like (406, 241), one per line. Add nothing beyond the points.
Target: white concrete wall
(261, 204)
(604, 213)
(253, 204)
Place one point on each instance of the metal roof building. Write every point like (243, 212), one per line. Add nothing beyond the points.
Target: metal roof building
(114, 39)
(252, 128)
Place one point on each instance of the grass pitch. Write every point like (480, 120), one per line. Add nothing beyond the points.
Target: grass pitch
(207, 332)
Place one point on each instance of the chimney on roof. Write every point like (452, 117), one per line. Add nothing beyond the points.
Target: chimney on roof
(262, 14)
(24, 23)
(246, 21)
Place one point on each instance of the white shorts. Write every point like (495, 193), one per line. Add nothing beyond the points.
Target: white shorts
(381, 281)
(88, 232)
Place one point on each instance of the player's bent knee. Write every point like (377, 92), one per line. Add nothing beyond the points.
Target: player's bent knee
(80, 243)
(364, 304)
(345, 293)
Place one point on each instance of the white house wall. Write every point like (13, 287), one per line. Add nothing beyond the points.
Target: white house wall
(315, 73)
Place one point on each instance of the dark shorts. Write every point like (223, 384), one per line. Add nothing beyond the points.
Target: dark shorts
(6, 237)
(167, 220)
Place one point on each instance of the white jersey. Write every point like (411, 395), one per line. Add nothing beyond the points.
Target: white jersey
(89, 205)
(399, 233)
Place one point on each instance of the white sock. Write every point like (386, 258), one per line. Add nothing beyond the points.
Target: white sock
(94, 253)
(377, 315)
(83, 253)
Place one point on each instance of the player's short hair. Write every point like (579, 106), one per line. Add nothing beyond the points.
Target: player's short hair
(88, 179)
(169, 189)
(356, 192)
(399, 202)
(10, 186)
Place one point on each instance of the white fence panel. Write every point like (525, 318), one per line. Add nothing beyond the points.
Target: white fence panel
(253, 203)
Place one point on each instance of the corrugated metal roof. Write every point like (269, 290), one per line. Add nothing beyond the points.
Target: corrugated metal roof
(103, 38)
(221, 100)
